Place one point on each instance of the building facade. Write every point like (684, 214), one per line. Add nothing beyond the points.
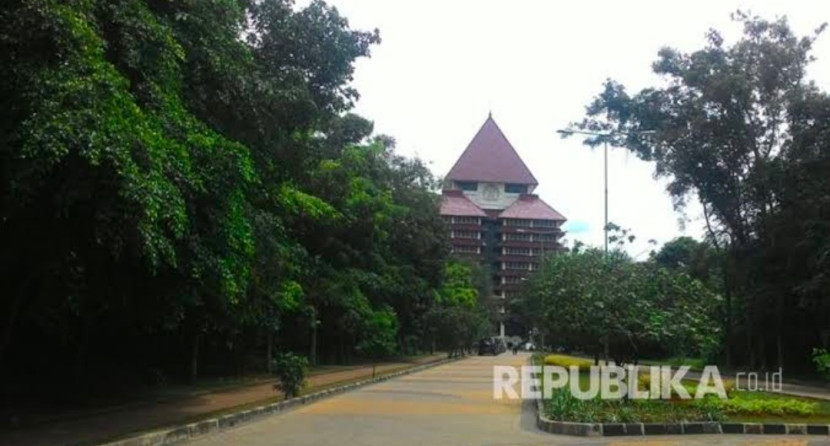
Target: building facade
(495, 218)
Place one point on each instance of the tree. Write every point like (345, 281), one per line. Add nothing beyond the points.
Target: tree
(620, 309)
(740, 128)
(184, 188)
(380, 331)
(459, 317)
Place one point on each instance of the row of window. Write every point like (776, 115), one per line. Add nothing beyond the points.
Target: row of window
(520, 251)
(466, 250)
(466, 220)
(511, 280)
(524, 237)
(526, 223)
(466, 234)
(524, 266)
(511, 222)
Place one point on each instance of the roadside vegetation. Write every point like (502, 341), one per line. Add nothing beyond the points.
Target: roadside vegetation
(739, 127)
(185, 194)
(741, 405)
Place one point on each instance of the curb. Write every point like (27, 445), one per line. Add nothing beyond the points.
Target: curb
(684, 428)
(186, 432)
(642, 429)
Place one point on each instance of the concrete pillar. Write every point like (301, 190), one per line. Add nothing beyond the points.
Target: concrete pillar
(501, 329)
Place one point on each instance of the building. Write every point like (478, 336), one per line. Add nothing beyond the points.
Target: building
(495, 218)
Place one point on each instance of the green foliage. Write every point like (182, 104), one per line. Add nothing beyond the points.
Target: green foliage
(460, 316)
(568, 361)
(761, 406)
(563, 406)
(741, 127)
(458, 288)
(582, 299)
(379, 334)
(821, 358)
(182, 183)
(291, 371)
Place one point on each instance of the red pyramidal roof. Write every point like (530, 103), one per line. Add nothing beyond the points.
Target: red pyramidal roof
(453, 202)
(531, 207)
(491, 158)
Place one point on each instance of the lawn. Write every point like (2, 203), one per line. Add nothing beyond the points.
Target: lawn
(741, 406)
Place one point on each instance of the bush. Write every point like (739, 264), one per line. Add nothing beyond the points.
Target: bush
(760, 407)
(563, 406)
(568, 361)
(291, 371)
(821, 358)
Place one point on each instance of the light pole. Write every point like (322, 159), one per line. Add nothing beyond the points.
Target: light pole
(604, 137)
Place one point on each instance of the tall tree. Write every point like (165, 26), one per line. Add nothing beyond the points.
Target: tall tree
(730, 122)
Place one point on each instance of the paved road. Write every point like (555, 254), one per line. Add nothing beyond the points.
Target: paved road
(447, 405)
(97, 426)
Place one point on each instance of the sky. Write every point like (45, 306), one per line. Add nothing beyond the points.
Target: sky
(443, 65)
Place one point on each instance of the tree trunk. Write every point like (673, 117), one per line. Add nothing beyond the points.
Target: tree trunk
(749, 346)
(727, 333)
(606, 348)
(10, 324)
(780, 350)
(269, 354)
(312, 356)
(194, 359)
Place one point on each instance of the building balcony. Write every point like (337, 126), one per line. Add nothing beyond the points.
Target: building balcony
(525, 230)
(466, 227)
(458, 241)
(548, 246)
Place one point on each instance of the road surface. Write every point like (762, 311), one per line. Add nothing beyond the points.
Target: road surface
(447, 405)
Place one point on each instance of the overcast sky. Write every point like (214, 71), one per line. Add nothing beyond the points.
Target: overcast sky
(444, 64)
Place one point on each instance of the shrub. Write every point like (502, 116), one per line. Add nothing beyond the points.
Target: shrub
(821, 358)
(759, 407)
(563, 406)
(291, 371)
(644, 383)
(568, 361)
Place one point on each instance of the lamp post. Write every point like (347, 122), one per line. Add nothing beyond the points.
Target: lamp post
(604, 137)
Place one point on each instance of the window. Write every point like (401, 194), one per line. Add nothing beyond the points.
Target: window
(516, 236)
(466, 220)
(467, 185)
(517, 222)
(524, 266)
(544, 223)
(546, 237)
(512, 280)
(517, 251)
(466, 234)
(466, 249)
(515, 188)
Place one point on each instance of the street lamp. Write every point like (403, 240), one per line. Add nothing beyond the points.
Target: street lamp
(605, 137)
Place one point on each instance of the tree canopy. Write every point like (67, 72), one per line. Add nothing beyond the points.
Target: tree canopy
(184, 189)
(740, 127)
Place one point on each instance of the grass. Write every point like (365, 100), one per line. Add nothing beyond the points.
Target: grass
(741, 406)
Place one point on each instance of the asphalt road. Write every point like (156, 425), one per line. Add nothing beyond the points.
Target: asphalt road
(447, 405)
